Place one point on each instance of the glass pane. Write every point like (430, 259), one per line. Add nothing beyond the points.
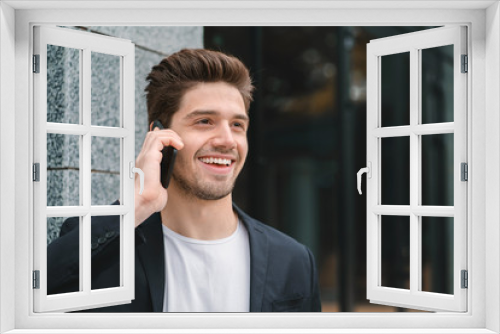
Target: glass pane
(437, 84)
(396, 171)
(63, 84)
(105, 170)
(63, 170)
(105, 238)
(437, 169)
(395, 89)
(106, 82)
(70, 231)
(396, 251)
(437, 254)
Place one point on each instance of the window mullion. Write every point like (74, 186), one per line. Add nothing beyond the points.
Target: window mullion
(85, 172)
(414, 170)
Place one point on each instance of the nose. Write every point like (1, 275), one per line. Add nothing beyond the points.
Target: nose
(224, 137)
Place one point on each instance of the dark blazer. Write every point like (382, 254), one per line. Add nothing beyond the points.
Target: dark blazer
(283, 274)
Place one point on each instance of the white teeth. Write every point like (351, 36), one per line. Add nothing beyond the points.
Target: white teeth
(219, 161)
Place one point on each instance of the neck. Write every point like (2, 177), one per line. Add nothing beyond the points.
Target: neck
(199, 219)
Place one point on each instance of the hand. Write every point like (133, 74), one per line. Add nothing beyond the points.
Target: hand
(154, 196)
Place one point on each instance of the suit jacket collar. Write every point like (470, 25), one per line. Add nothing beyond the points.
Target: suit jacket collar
(152, 256)
(258, 259)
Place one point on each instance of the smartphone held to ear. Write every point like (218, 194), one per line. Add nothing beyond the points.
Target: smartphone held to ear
(168, 160)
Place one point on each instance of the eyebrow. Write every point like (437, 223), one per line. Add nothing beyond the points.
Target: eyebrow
(197, 113)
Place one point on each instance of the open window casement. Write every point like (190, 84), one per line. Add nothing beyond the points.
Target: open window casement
(83, 154)
(417, 171)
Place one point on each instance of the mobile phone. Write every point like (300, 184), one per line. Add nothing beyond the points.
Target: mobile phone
(168, 160)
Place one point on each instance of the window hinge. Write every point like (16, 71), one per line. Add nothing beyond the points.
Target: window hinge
(465, 64)
(36, 172)
(464, 172)
(465, 279)
(36, 279)
(36, 63)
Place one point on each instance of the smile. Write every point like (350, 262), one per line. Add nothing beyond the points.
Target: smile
(216, 161)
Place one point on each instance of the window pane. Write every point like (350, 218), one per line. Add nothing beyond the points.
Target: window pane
(437, 254)
(63, 170)
(106, 240)
(437, 84)
(106, 83)
(396, 251)
(437, 169)
(72, 230)
(63, 84)
(105, 170)
(395, 92)
(395, 171)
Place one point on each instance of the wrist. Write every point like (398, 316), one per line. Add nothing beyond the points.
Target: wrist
(141, 210)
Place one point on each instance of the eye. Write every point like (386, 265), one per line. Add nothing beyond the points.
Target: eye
(203, 121)
(239, 125)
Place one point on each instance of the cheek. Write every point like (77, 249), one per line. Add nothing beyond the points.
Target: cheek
(243, 150)
(189, 149)
(184, 157)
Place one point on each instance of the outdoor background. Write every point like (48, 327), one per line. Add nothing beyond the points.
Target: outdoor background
(307, 140)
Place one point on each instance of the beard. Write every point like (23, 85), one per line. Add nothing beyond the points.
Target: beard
(207, 191)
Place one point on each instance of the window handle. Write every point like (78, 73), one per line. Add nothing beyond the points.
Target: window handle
(368, 171)
(139, 171)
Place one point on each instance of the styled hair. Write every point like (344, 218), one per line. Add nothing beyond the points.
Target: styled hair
(177, 73)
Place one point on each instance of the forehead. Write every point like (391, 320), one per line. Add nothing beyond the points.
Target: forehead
(214, 96)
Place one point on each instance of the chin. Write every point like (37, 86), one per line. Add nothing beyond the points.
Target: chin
(203, 191)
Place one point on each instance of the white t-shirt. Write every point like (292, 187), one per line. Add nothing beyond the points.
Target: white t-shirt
(207, 275)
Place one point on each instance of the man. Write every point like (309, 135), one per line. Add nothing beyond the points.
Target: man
(195, 250)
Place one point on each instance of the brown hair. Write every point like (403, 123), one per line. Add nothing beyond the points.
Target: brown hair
(177, 73)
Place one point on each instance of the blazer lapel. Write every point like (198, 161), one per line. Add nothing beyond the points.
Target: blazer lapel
(258, 260)
(152, 256)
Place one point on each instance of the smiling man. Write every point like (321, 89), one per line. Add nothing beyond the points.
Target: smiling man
(195, 250)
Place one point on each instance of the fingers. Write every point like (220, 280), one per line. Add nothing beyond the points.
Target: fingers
(168, 138)
(157, 139)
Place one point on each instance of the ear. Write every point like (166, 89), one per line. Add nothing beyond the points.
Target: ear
(151, 126)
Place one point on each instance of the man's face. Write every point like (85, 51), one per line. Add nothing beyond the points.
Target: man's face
(212, 123)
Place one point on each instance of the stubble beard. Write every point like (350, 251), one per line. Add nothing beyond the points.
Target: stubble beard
(208, 191)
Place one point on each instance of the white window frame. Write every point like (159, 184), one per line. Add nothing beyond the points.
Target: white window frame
(85, 43)
(414, 43)
(483, 21)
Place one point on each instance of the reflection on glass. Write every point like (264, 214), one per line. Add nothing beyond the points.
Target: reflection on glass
(396, 171)
(437, 84)
(63, 84)
(105, 155)
(437, 254)
(105, 232)
(63, 174)
(437, 169)
(395, 89)
(396, 251)
(106, 89)
(54, 225)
